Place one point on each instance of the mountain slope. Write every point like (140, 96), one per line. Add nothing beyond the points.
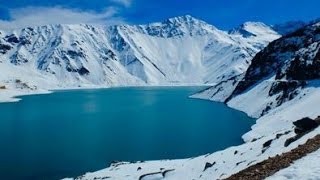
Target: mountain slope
(181, 50)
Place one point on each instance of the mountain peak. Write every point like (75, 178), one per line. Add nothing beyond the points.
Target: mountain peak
(177, 27)
(187, 20)
(251, 29)
(184, 18)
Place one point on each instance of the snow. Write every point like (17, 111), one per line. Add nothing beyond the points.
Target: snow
(305, 168)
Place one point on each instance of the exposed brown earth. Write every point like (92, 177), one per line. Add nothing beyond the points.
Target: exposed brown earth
(272, 165)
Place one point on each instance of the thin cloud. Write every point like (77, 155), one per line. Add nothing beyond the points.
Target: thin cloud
(37, 16)
(126, 3)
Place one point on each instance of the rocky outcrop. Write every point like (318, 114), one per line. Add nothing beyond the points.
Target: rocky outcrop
(304, 125)
(4, 48)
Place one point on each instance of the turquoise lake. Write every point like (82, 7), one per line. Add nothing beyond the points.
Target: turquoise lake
(68, 133)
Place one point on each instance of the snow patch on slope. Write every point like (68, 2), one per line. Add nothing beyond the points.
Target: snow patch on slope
(305, 168)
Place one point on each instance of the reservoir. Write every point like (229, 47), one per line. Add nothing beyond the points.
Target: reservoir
(68, 133)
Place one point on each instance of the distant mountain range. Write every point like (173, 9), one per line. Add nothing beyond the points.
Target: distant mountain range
(180, 50)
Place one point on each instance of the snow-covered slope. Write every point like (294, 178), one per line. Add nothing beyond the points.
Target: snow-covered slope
(305, 168)
(181, 50)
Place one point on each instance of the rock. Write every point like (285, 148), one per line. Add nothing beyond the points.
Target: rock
(317, 120)
(302, 127)
(208, 165)
(267, 144)
(305, 125)
(75, 54)
(164, 173)
(155, 175)
(12, 39)
(83, 71)
(4, 48)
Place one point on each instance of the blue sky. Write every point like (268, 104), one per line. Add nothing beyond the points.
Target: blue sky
(224, 14)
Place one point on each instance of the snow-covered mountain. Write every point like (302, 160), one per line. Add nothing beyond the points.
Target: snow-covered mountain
(181, 50)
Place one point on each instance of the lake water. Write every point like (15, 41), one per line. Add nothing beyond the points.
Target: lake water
(68, 133)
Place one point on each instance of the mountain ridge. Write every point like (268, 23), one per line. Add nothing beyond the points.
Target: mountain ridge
(153, 54)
